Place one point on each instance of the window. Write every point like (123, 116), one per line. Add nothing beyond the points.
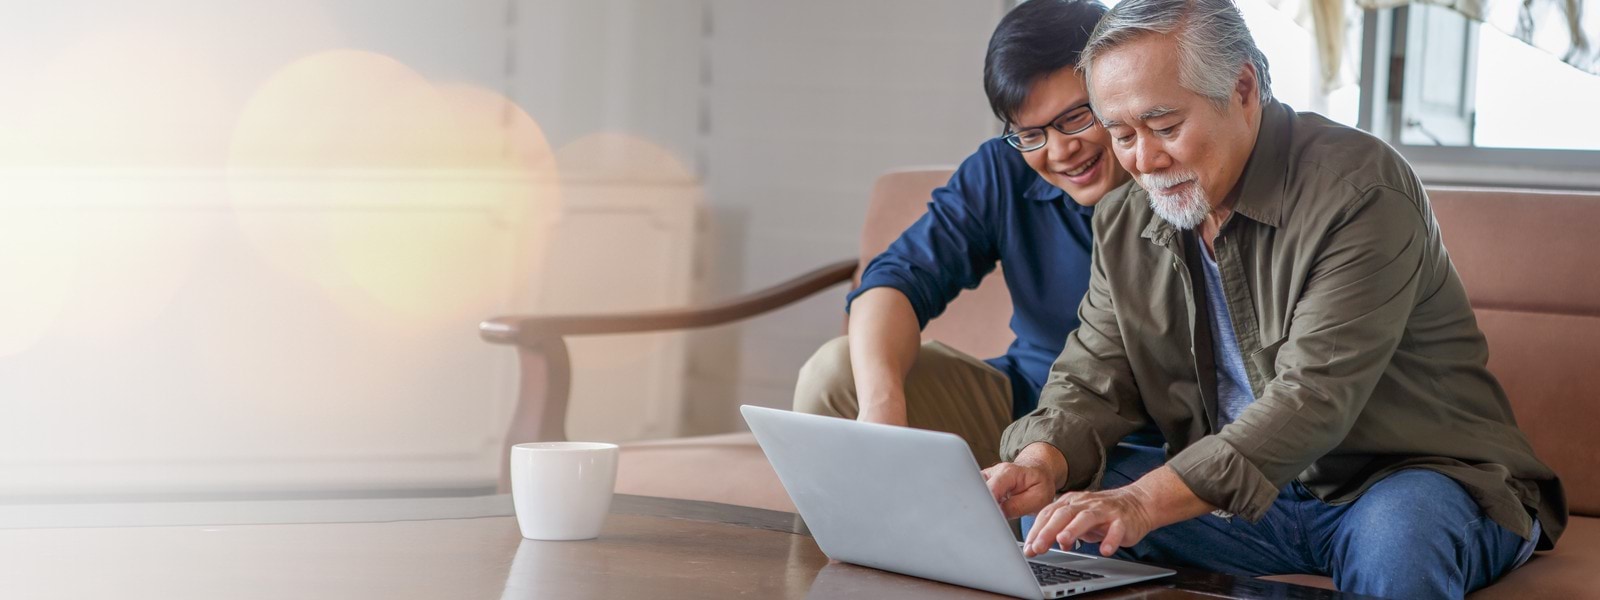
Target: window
(1516, 81)
(1468, 104)
(1464, 102)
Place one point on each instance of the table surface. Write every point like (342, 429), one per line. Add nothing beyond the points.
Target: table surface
(462, 548)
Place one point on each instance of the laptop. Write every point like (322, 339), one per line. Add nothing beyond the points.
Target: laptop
(913, 502)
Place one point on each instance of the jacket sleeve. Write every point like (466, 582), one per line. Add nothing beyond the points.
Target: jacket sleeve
(1348, 321)
(1089, 401)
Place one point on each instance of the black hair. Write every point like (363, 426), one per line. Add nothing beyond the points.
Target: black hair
(1035, 39)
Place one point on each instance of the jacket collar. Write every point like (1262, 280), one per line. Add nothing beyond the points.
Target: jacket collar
(1266, 175)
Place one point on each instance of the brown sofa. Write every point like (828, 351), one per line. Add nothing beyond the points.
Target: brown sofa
(1525, 256)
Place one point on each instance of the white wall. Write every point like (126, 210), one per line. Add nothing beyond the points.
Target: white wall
(809, 103)
(205, 204)
(246, 244)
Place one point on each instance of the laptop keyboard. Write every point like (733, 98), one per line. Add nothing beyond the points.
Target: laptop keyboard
(1053, 575)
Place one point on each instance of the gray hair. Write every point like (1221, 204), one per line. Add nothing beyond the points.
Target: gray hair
(1213, 42)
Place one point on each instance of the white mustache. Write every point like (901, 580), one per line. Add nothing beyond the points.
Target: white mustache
(1155, 182)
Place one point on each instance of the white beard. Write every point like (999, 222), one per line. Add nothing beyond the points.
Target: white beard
(1185, 209)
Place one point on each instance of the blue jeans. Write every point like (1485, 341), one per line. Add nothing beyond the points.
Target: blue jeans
(1414, 534)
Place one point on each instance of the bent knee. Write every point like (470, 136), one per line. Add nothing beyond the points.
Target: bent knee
(1410, 506)
(826, 385)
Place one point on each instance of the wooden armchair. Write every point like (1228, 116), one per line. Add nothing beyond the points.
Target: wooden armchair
(542, 348)
(730, 468)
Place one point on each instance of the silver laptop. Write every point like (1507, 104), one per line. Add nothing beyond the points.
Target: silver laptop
(913, 502)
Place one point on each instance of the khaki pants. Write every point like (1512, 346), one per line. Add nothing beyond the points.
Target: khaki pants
(946, 390)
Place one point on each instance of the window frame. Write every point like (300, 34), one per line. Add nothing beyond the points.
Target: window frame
(1456, 165)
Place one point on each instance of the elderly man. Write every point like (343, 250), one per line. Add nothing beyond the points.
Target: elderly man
(1275, 297)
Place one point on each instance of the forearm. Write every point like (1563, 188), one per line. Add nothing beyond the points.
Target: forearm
(884, 339)
(1166, 499)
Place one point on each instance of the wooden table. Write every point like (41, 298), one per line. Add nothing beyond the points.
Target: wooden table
(462, 548)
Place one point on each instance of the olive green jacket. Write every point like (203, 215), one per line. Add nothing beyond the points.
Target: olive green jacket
(1360, 345)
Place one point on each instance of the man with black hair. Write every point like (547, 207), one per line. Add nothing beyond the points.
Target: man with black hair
(1023, 200)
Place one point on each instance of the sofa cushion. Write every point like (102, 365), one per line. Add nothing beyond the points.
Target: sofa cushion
(1525, 250)
(1572, 570)
(1546, 364)
(728, 468)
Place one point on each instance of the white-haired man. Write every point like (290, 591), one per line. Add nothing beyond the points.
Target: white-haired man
(1275, 297)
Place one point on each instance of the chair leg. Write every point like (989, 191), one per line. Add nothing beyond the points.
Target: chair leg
(541, 415)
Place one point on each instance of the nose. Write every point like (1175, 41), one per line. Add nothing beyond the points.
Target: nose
(1149, 155)
(1062, 147)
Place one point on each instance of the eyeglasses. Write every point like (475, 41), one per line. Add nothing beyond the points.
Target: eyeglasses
(1075, 120)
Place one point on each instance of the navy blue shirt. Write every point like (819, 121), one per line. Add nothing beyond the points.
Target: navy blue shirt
(997, 209)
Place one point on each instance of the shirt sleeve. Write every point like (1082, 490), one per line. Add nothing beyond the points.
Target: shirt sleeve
(951, 247)
(1349, 320)
(1089, 401)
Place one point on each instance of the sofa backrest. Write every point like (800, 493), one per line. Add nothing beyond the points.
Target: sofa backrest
(1533, 274)
(1525, 257)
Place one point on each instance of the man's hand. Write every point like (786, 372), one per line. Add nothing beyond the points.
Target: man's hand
(1117, 518)
(1019, 490)
(1114, 518)
(1030, 482)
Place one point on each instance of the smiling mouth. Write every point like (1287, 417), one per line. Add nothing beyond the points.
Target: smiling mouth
(1084, 168)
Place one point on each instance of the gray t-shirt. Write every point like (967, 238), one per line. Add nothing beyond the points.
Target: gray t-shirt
(1233, 385)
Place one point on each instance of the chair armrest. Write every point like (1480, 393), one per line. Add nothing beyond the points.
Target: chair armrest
(533, 331)
(546, 369)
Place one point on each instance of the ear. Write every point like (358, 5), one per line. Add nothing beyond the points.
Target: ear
(1244, 88)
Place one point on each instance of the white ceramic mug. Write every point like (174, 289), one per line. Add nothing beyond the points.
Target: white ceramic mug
(562, 490)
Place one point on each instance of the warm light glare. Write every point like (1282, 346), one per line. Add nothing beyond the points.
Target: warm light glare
(130, 267)
(38, 260)
(336, 139)
(617, 157)
(237, 257)
(610, 261)
(125, 98)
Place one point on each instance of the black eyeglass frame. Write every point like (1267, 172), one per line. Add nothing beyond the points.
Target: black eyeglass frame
(1014, 138)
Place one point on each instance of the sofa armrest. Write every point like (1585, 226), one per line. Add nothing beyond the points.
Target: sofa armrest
(546, 370)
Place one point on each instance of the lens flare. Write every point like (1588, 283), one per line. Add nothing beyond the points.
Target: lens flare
(604, 257)
(101, 135)
(402, 198)
(132, 97)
